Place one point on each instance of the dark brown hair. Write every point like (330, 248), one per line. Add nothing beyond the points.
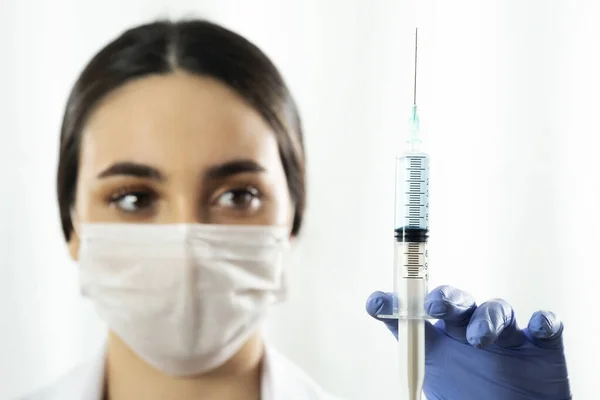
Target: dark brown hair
(198, 47)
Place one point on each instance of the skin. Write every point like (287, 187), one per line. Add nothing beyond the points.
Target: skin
(179, 148)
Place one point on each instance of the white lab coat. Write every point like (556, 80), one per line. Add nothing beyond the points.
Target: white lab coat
(282, 380)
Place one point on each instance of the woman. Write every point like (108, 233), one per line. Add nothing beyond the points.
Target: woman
(180, 182)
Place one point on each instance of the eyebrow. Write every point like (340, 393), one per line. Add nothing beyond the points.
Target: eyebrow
(217, 172)
(131, 169)
(230, 168)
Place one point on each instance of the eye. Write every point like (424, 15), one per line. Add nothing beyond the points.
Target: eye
(133, 201)
(240, 199)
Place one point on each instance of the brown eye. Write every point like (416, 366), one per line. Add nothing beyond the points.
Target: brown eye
(132, 202)
(240, 199)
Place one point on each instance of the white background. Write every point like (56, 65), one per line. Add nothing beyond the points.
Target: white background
(509, 94)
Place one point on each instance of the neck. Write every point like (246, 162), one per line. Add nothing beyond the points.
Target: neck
(129, 377)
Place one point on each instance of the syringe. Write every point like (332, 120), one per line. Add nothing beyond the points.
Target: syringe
(411, 269)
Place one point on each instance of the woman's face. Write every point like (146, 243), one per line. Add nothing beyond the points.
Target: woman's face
(179, 148)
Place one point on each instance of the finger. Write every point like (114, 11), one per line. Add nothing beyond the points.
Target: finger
(380, 303)
(545, 330)
(494, 322)
(453, 307)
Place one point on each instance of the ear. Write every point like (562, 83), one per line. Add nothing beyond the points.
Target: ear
(74, 246)
(74, 241)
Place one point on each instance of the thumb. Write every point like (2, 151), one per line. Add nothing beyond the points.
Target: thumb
(380, 306)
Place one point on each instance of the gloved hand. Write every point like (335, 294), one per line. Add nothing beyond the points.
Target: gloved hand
(479, 353)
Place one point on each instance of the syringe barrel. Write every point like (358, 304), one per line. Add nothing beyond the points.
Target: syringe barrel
(411, 269)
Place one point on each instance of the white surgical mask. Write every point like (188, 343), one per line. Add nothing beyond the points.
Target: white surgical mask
(184, 298)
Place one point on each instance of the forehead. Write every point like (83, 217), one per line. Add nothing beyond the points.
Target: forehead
(176, 121)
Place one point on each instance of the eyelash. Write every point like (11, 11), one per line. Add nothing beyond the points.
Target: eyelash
(137, 191)
(255, 195)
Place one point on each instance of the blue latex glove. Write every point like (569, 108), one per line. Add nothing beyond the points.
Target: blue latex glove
(478, 352)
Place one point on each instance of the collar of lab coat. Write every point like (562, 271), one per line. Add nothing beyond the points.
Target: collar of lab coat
(281, 380)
